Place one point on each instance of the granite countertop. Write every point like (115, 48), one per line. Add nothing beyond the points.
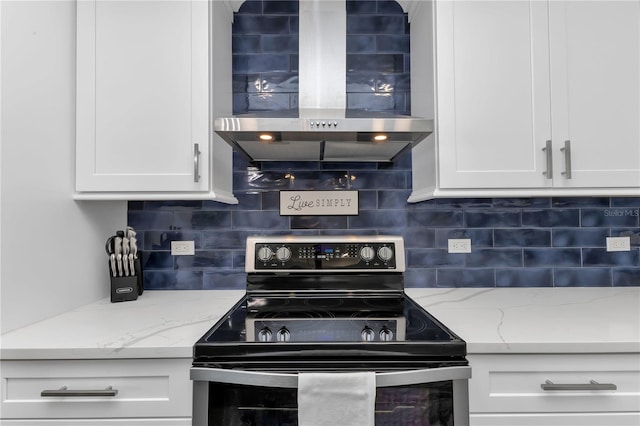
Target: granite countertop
(166, 324)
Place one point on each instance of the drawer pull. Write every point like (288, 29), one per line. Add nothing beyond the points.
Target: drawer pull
(548, 385)
(65, 392)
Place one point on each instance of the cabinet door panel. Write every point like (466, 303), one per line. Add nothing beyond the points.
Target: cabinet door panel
(142, 95)
(595, 74)
(493, 93)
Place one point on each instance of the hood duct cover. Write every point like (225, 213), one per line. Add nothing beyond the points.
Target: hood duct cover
(324, 129)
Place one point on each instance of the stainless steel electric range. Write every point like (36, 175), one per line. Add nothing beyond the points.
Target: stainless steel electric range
(328, 304)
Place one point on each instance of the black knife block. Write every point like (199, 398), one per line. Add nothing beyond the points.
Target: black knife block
(124, 289)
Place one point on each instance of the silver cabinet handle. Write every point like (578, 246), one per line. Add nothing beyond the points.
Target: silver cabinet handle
(196, 163)
(284, 380)
(549, 152)
(65, 392)
(567, 159)
(548, 385)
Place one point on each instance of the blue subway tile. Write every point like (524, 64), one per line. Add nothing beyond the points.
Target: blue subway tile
(361, 43)
(546, 218)
(626, 276)
(625, 202)
(257, 220)
(251, 6)
(375, 63)
(379, 219)
(202, 219)
(610, 217)
(368, 200)
(492, 218)
(280, 43)
(498, 258)
(602, 257)
(393, 43)
(375, 24)
(466, 278)
(393, 199)
(582, 277)
(389, 7)
(419, 238)
(430, 258)
(224, 239)
(287, 7)
(579, 237)
(464, 203)
(225, 280)
(173, 280)
(524, 277)
(205, 259)
(239, 259)
(360, 6)
(522, 238)
(420, 278)
(260, 24)
(149, 220)
(539, 202)
(435, 218)
(543, 257)
(318, 222)
(156, 260)
(566, 202)
(246, 43)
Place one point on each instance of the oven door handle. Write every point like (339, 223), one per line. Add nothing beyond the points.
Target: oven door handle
(285, 380)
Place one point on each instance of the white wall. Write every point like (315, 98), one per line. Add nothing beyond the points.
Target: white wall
(51, 248)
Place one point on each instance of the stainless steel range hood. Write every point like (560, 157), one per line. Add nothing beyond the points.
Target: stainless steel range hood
(323, 130)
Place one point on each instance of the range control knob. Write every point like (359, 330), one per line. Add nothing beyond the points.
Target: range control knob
(367, 253)
(385, 253)
(367, 334)
(264, 335)
(265, 254)
(283, 335)
(283, 254)
(386, 335)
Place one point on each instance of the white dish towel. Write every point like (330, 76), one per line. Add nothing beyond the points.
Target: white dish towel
(336, 399)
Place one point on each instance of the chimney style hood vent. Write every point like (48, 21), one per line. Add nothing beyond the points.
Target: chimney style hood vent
(323, 130)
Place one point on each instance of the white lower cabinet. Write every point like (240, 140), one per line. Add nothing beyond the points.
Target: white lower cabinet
(143, 392)
(508, 389)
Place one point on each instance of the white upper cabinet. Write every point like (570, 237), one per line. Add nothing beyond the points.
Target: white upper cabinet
(516, 80)
(595, 63)
(143, 103)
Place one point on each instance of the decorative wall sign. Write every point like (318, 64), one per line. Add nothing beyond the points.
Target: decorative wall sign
(318, 203)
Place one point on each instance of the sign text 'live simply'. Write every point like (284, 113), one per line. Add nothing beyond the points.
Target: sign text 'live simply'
(319, 203)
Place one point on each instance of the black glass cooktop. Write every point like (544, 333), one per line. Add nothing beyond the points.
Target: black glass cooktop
(328, 330)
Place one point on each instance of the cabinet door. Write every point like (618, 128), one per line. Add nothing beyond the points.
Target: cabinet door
(595, 75)
(140, 388)
(493, 109)
(142, 96)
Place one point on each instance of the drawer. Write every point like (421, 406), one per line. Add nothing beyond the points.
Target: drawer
(512, 383)
(143, 388)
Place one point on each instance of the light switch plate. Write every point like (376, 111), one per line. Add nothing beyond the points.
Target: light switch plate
(618, 244)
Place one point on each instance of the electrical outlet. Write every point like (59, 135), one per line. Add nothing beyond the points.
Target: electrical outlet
(618, 244)
(182, 248)
(460, 245)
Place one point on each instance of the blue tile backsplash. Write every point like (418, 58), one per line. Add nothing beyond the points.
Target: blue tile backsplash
(516, 242)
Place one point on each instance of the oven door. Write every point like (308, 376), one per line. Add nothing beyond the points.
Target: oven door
(427, 397)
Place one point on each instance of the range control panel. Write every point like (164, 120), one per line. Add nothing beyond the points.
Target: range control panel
(325, 254)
